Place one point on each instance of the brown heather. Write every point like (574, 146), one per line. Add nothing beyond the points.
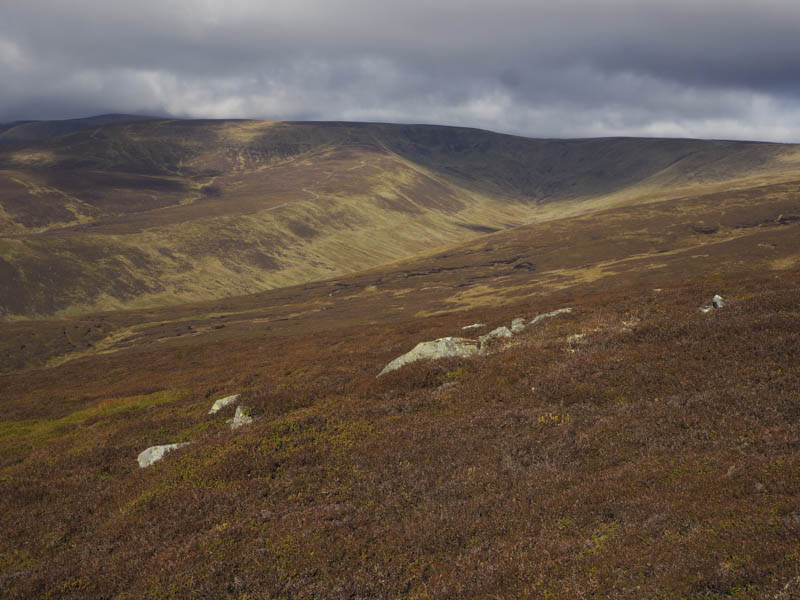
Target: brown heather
(657, 457)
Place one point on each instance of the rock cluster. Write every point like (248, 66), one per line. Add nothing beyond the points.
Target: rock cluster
(240, 418)
(456, 346)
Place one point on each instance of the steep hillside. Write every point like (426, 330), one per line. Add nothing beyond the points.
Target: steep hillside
(158, 212)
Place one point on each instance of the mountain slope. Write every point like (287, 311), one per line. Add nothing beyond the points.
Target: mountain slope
(634, 447)
(154, 212)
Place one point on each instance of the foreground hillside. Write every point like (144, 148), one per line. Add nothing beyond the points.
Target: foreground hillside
(632, 448)
(156, 212)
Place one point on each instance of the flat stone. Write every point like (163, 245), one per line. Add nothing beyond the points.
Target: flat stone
(473, 326)
(441, 348)
(155, 453)
(222, 403)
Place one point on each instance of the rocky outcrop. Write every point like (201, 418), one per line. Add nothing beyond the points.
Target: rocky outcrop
(155, 453)
(222, 403)
(441, 348)
(241, 418)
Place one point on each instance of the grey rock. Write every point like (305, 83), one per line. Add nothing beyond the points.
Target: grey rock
(222, 403)
(241, 417)
(155, 453)
(549, 315)
(441, 348)
(518, 325)
(473, 326)
(500, 332)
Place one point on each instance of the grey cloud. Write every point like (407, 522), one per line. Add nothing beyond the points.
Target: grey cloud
(580, 67)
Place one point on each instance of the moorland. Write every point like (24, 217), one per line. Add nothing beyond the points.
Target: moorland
(635, 447)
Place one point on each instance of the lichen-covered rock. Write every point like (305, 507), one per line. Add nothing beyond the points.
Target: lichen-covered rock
(500, 332)
(518, 325)
(156, 453)
(441, 348)
(222, 403)
(552, 313)
(241, 417)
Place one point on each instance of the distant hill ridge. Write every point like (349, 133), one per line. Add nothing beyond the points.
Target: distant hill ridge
(123, 211)
(29, 131)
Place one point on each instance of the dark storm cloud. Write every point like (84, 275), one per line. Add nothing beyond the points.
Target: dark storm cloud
(582, 67)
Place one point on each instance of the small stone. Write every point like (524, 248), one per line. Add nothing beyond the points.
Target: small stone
(473, 326)
(500, 332)
(241, 417)
(549, 315)
(717, 301)
(518, 325)
(155, 453)
(222, 403)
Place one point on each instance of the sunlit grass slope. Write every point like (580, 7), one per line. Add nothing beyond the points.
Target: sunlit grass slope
(157, 212)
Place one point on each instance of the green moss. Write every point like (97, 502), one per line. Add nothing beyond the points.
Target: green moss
(42, 430)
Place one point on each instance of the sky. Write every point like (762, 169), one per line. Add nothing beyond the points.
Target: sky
(725, 69)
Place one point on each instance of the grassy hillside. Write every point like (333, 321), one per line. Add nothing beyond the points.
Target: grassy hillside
(158, 212)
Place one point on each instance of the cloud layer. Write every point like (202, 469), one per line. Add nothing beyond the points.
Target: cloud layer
(716, 68)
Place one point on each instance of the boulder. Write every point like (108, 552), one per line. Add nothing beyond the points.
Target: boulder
(441, 348)
(222, 403)
(241, 417)
(553, 313)
(518, 325)
(156, 453)
(500, 332)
